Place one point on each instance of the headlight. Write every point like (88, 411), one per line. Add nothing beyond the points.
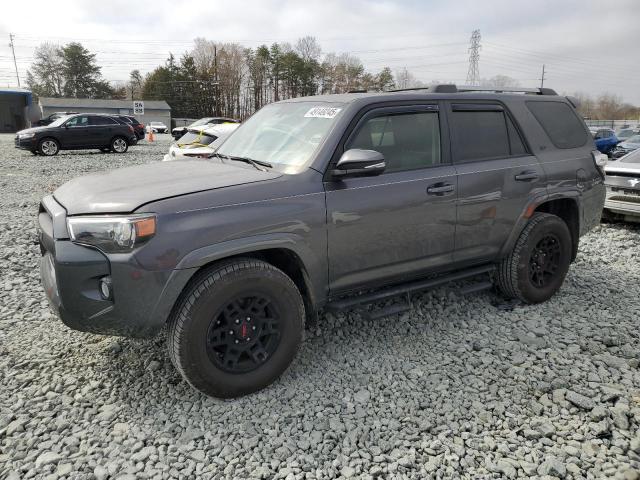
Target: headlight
(112, 234)
(27, 135)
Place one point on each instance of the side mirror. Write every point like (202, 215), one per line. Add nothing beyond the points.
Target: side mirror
(359, 163)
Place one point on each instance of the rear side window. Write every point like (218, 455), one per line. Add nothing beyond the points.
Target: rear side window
(559, 121)
(102, 121)
(479, 135)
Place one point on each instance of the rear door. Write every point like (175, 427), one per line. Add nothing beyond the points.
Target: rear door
(402, 222)
(497, 175)
(103, 130)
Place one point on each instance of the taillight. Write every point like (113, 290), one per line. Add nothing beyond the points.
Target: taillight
(130, 128)
(600, 160)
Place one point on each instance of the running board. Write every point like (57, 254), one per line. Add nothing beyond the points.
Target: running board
(412, 287)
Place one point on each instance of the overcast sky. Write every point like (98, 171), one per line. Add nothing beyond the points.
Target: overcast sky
(587, 45)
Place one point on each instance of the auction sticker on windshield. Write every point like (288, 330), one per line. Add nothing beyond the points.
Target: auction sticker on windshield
(322, 112)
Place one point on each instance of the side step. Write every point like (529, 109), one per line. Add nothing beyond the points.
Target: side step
(412, 287)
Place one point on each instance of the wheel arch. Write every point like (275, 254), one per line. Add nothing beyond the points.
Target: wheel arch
(287, 259)
(564, 205)
(567, 209)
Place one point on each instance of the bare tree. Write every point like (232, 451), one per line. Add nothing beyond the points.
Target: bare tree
(499, 81)
(308, 48)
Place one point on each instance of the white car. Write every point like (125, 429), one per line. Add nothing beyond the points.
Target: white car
(158, 127)
(623, 188)
(200, 142)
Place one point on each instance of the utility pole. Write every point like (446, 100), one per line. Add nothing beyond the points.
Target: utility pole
(542, 78)
(215, 80)
(473, 75)
(15, 64)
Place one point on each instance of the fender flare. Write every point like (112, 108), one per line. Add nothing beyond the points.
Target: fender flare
(528, 212)
(294, 243)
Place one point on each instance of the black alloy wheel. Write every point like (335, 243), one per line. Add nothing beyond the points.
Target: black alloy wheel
(244, 334)
(544, 262)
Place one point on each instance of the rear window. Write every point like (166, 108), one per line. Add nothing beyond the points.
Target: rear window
(196, 138)
(562, 125)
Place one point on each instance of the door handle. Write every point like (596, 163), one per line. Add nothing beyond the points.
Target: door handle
(440, 189)
(527, 176)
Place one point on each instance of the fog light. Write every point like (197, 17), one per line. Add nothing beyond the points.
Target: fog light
(105, 288)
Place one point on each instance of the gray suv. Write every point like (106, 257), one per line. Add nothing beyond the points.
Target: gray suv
(323, 202)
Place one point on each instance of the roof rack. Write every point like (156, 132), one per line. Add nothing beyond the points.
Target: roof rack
(451, 88)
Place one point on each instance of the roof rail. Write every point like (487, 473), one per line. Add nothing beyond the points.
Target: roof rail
(451, 88)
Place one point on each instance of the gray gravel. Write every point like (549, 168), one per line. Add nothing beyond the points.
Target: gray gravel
(458, 388)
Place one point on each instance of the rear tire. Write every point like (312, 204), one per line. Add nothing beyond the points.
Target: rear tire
(236, 328)
(48, 147)
(535, 270)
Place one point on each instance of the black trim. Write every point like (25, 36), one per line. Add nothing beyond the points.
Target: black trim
(476, 107)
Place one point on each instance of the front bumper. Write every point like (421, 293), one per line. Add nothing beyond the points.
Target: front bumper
(26, 143)
(141, 301)
(623, 197)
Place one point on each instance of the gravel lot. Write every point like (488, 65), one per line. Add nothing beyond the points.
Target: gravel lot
(458, 388)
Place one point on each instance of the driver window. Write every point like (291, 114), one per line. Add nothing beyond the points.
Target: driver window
(407, 140)
(81, 121)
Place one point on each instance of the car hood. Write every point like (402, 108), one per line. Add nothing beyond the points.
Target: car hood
(33, 130)
(629, 146)
(124, 190)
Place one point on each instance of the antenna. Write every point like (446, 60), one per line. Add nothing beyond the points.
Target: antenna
(473, 76)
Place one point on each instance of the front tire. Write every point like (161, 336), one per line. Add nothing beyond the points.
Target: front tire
(539, 262)
(237, 328)
(49, 147)
(119, 145)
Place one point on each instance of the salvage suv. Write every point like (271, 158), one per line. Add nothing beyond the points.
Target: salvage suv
(323, 203)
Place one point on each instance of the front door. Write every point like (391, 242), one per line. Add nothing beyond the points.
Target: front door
(401, 223)
(497, 175)
(76, 132)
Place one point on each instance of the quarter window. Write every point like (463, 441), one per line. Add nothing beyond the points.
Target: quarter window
(559, 121)
(407, 140)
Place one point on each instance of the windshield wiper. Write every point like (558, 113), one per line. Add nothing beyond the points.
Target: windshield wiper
(251, 161)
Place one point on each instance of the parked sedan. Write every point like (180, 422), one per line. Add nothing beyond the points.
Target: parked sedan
(180, 131)
(200, 142)
(628, 132)
(158, 127)
(625, 147)
(77, 132)
(605, 139)
(623, 188)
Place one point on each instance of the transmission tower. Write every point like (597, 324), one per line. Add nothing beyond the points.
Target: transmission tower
(473, 76)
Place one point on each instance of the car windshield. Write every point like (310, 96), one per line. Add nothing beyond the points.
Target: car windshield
(285, 134)
(634, 139)
(59, 121)
(156, 123)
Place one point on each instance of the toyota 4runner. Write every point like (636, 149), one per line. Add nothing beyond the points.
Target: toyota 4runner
(322, 202)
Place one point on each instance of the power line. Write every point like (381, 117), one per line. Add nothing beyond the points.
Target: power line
(473, 76)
